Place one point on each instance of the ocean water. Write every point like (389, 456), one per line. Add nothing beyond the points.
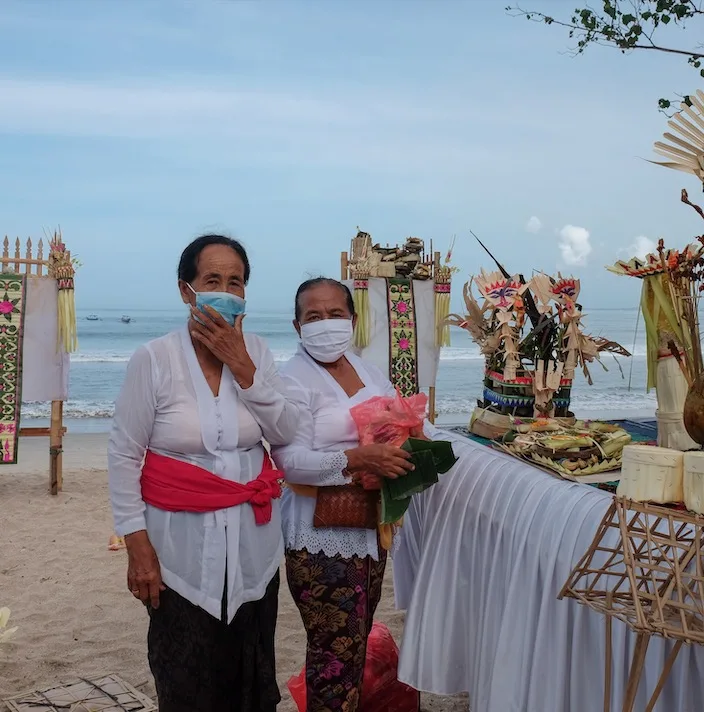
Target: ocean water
(105, 346)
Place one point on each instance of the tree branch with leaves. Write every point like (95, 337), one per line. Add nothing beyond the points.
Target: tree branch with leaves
(629, 25)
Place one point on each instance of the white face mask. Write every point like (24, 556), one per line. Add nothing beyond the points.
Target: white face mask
(326, 341)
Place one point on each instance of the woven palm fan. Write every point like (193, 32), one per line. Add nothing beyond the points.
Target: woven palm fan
(685, 151)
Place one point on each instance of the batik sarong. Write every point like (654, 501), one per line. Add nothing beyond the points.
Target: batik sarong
(337, 598)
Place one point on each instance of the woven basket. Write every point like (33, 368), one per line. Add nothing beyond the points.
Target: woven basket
(346, 507)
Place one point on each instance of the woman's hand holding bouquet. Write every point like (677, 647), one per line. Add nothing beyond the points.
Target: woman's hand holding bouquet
(378, 460)
(384, 424)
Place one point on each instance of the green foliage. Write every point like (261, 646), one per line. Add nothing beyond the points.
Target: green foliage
(629, 25)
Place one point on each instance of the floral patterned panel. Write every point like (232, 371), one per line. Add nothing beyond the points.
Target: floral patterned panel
(12, 305)
(403, 351)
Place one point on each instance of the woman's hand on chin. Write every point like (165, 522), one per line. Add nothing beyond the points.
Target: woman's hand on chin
(381, 460)
(143, 570)
(225, 342)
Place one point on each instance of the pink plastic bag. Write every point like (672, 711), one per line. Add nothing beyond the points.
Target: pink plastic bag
(381, 690)
(389, 421)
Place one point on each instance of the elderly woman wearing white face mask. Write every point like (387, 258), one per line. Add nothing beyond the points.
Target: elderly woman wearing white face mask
(335, 572)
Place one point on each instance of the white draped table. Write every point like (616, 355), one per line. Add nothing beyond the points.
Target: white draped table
(482, 558)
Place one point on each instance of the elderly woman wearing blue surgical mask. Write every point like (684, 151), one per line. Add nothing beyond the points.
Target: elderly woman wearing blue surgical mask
(195, 495)
(334, 562)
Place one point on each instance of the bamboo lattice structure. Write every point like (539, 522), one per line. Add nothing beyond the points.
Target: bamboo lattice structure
(38, 266)
(645, 568)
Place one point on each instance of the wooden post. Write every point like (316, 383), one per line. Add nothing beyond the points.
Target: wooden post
(637, 664)
(608, 657)
(344, 266)
(665, 674)
(56, 447)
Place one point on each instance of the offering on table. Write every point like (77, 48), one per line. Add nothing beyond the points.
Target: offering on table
(586, 449)
(531, 335)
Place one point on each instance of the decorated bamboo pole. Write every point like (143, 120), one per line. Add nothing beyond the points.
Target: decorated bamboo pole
(360, 273)
(668, 344)
(360, 295)
(442, 278)
(62, 270)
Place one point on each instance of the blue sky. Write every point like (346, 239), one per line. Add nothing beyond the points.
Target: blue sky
(136, 125)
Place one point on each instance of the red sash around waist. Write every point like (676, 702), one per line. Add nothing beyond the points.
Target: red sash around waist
(176, 486)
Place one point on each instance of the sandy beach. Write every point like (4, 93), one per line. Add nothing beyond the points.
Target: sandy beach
(67, 590)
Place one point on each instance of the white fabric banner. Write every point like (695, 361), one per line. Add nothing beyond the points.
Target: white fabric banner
(44, 370)
(379, 343)
(482, 558)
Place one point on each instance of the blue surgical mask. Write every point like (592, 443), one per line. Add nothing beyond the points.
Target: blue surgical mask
(227, 305)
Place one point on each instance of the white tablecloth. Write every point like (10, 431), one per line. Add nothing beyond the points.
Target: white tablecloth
(482, 558)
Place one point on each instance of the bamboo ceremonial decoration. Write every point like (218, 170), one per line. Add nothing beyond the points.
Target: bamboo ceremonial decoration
(360, 296)
(360, 272)
(669, 298)
(406, 262)
(443, 288)
(62, 270)
(38, 267)
(532, 339)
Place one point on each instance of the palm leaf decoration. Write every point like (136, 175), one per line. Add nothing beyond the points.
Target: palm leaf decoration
(685, 149)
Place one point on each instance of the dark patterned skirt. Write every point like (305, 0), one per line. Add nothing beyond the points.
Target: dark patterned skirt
(202, 664)
(337, 599)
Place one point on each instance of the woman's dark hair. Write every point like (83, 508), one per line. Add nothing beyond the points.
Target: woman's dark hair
(316, 282)
(188, 264)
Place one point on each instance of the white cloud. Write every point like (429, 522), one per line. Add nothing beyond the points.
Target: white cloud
(640, 248)
(533, 225)
(265, 125)
(574, 245)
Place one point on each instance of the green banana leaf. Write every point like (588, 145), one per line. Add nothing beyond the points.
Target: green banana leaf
(431, 458)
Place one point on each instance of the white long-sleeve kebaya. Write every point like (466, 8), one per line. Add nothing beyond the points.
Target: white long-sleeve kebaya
(167, 406)
(316, 456)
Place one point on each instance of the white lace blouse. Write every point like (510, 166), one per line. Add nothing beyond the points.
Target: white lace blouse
(317, 454)
(167, 406)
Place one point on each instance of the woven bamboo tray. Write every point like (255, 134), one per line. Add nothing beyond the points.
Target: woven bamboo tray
(109, 693)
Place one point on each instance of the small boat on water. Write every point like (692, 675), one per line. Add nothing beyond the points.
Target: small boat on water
(92, 317)
(126, 319)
